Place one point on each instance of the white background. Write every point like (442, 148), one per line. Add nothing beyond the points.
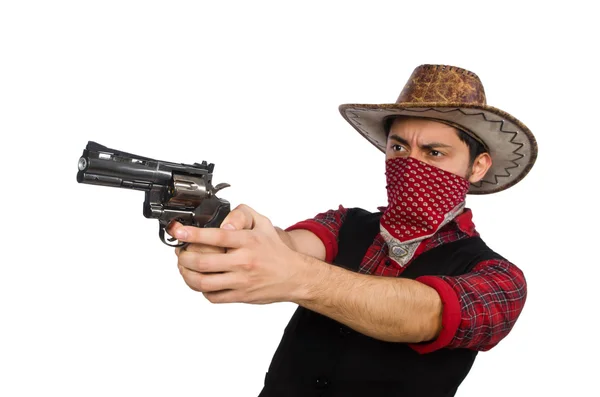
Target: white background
(91, 302)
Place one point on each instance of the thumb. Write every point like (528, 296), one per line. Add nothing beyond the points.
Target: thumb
(242, 217)
(238, 219)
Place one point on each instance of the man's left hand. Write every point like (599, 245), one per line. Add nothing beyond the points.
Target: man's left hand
(255, 267)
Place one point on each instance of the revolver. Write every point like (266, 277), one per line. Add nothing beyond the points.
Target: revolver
(173, 191)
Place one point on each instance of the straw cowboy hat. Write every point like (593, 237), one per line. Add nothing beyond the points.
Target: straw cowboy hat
(455, 96)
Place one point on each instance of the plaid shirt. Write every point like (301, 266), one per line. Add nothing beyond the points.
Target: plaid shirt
(479, 308)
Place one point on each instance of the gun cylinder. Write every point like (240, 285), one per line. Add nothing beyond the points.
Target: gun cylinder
(188, 191)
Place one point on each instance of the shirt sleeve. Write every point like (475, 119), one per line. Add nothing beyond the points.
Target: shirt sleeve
(479, 308)
(326, 226)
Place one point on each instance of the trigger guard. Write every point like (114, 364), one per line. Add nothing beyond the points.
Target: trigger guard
(161, 234)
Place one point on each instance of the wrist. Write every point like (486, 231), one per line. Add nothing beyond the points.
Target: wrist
(310, 279)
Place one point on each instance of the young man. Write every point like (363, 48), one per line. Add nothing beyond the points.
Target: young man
(396, 302)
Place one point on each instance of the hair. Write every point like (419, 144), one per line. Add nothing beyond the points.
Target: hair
(475, 147)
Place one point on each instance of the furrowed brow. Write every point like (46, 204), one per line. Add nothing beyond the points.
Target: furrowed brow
(399, 140)
(435, 145)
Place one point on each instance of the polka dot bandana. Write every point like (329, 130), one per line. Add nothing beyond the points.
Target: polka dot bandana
(421, 199)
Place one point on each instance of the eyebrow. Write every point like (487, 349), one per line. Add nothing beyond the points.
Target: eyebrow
(432, 145)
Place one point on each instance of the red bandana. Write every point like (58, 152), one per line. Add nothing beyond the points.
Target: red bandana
(421, 199)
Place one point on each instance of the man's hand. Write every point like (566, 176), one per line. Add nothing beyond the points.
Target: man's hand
(243, 261)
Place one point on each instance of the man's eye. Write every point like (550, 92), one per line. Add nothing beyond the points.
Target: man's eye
(435, 153)
(397, 148)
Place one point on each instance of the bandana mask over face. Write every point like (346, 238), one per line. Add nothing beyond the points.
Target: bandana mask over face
(421, 199)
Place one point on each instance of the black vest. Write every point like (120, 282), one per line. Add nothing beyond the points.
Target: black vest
(322, 357)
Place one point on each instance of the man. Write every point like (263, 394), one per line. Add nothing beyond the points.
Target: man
(413, 293)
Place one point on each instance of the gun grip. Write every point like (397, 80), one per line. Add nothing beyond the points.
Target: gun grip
(219, 216)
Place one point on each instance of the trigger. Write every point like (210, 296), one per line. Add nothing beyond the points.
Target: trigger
(161, 234)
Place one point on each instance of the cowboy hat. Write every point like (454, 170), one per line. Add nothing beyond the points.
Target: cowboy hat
(455, 96)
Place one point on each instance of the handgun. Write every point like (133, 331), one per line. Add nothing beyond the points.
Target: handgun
(173, 191)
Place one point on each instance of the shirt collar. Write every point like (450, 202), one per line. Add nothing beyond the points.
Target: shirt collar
(465, 223)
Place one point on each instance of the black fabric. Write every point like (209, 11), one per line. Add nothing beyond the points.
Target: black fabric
(318, 356)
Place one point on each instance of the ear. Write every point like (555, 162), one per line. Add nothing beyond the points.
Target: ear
(480, 167)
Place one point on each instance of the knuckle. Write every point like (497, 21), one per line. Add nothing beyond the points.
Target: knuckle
(188, 279)
(263, 219)
(200, 283)
(248, 266)
(238, 218)
(212, 297)
(239, 297)
(250, 255)
(192, 286)
(248, 260)
(192, 234)
(254, 239)
(180, 264)
(192, 261)
(184, 259)
(242, 207)
(195, 282)
(193, 248)
(200, 262)
(221, 238)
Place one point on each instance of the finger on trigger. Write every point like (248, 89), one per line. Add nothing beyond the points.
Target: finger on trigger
(172, 227)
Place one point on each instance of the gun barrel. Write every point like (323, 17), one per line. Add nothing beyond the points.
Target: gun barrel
(109, 170)
(100, 165)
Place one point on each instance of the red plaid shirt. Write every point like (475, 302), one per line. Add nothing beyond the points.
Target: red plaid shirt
(479, 308)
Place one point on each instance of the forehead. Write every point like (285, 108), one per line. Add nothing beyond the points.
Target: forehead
(412, 127)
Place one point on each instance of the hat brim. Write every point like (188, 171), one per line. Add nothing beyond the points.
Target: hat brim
(510, 143)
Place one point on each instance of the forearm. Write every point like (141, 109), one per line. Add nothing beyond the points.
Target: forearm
(385, 308)
(303, 241)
